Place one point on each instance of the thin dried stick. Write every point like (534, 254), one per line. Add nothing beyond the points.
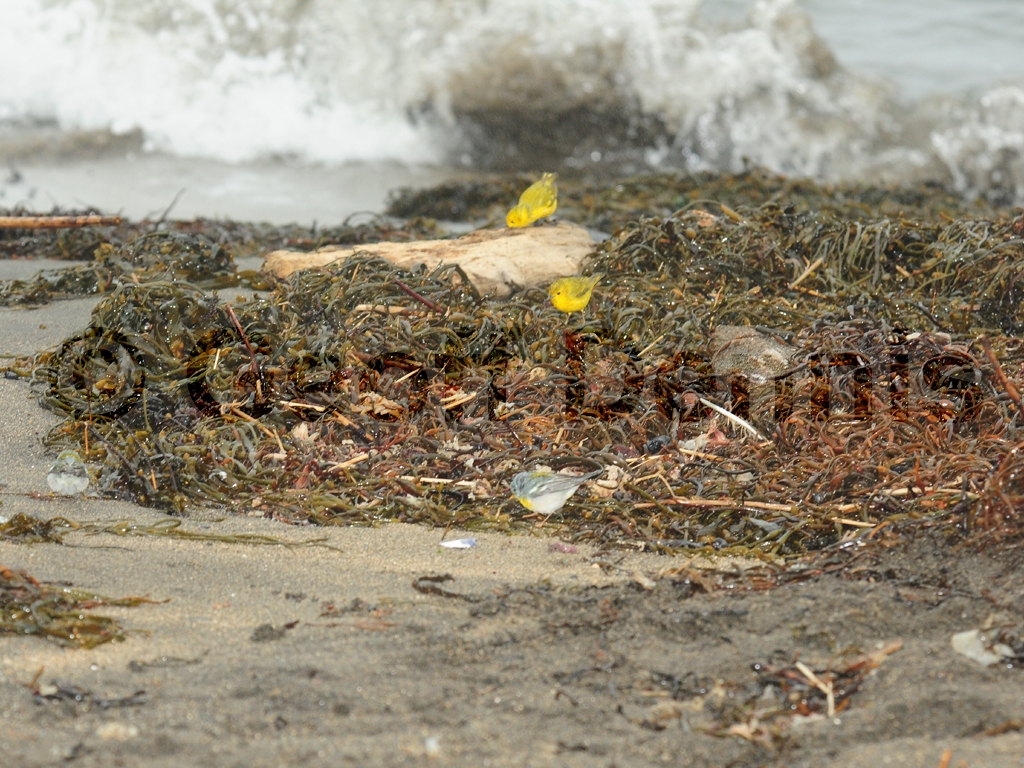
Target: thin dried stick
(824, 687)
(260, 426)
(808, 272)
(733, 418)
(57, 222)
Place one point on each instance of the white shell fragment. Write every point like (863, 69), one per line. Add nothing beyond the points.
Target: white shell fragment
(68, 476)
(459, 544)
(975, 645)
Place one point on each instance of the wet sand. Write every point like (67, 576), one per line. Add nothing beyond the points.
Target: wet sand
(142, 185)
(545, 658)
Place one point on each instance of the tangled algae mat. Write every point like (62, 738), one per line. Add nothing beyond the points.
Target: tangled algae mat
(880, 367)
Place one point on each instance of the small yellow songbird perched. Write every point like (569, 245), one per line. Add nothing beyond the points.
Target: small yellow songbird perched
(572, 294)
(539, 200)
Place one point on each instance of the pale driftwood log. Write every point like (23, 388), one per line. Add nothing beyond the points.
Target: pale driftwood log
(495, 260)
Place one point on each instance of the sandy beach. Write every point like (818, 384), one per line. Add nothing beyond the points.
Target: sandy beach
(530, 654)
(793, 380)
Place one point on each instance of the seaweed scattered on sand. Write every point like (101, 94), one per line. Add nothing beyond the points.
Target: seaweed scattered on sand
(161, 255)
(62, 691)
(201, 252)
(26, 529)
(343, 396)
(765, 710)
(56, 612)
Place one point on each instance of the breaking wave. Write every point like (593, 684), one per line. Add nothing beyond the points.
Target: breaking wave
(587, 84)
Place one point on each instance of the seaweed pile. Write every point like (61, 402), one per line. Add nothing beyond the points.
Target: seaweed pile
(364, 392)
(27, 529)
(609, 205)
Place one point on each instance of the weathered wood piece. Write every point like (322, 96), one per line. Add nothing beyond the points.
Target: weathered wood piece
(495, 260)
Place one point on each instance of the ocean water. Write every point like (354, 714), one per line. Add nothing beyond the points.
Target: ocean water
(876, 90)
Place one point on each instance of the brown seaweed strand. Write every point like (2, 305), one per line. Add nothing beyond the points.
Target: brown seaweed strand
(1008, 385)
(416, 296)
(255, 367)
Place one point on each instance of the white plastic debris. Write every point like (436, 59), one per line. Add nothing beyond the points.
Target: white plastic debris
(459, 544)
(432, 746)
(974, 644)
(68, 476)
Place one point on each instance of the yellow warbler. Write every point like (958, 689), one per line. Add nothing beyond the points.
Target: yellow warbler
(572, 294)
(539, 200)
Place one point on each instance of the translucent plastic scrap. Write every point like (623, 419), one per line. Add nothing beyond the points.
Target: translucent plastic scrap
(68, 476)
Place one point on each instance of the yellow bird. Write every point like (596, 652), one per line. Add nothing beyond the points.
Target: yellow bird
(572, 294)
(539, 200)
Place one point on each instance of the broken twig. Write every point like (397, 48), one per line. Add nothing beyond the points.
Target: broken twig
(57, 222)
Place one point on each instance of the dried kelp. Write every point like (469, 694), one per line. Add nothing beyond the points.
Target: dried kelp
(364, 392)
(28, 607)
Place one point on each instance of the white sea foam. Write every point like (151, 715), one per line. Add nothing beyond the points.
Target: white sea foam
(521, 83)
(176, 74)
